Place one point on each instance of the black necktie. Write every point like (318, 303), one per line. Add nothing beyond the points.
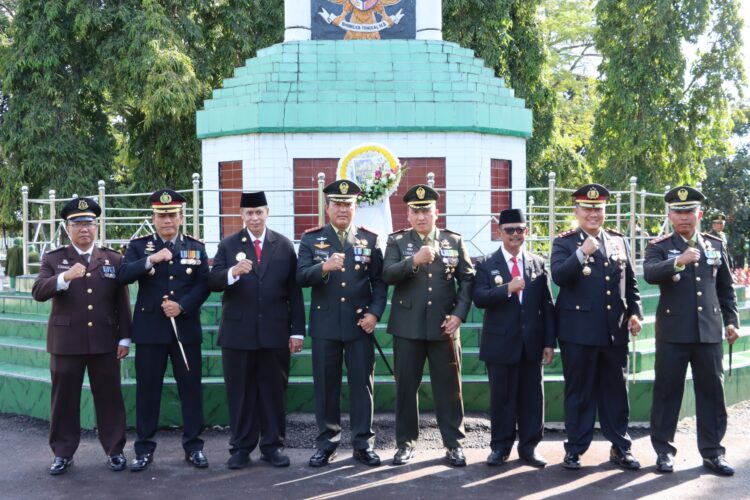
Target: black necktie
(169, 245)
(86, 257)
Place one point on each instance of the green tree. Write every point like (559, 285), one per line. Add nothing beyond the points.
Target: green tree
(659, 119)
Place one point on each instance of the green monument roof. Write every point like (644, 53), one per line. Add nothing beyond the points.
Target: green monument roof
(364, 86)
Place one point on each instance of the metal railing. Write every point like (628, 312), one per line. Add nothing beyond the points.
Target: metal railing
(549, 210)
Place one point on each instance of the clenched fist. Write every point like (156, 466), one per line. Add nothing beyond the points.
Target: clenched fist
(162, 255)
(242, 267)
(334, 263)
(77, 271)
(424, 255)
(688, 257)
(516, 284)
(590, 246)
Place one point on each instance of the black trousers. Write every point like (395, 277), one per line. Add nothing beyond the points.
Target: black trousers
(359, 356)
(708, 382)
(150, 366)
(256, 383)
(444, 358)
(65, 409)
(595, 381)
(516, 401)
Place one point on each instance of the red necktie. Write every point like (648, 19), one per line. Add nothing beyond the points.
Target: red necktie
(514, 272)
(257, 249)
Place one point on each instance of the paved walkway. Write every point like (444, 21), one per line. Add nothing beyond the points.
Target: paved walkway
(26, 457)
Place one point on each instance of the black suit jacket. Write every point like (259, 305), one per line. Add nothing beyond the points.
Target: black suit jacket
(181, 279)
(594, 309)
(691, 307)
(264, 307)
(512, 329)
(341, 298)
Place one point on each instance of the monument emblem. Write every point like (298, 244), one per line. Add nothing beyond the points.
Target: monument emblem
(363, 19)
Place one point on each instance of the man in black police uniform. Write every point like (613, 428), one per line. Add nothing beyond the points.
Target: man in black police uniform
(695, 285)
(433, 278)
(518, 337)
(343, 265)
(262, 321)
(88, 331)
(597, 305)
(172, 273)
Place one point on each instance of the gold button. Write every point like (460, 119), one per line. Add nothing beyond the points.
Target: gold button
(343, 299)
(171, 277)
(171, 292)
(343, 283)
(700, 308)
(88, 275)
(170, 262)
(318, 307)
(429, 275)
(606, 264)
(89, 291)
(609, 292)
(697, 264)
(429, 302)
(606, 278)
(91, 308)
(700, 294)
(609, 307)
(577, 307)
(697, 278)
(343, 269)
(429, 288)
(91, 324)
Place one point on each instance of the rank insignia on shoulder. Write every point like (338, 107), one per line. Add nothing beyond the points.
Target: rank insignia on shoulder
(569, 232)
(661, 238)
(612, 231)
(368, 230)
(711, 236)
(313, 229)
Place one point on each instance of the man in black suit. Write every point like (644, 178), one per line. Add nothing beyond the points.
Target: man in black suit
(696, 293)
(518, 337)
(172, 274)
(88, 331)
(598, 304)
(343, 264)
(262, 321)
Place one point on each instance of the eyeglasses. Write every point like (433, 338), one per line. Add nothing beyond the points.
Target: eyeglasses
(517, 230)
(81, 225)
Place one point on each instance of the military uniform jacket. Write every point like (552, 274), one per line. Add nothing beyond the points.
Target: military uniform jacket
(342, 297)
(184, 280)
(692, 305)
(594, 309)
(264, 307)
(93, 314)
(424, 296)
(511, 329)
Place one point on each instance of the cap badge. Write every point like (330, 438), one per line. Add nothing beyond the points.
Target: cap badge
(165, 198)
(682, 194)
(420, 193)
(83, 205)
(593, 194)
(344, 187)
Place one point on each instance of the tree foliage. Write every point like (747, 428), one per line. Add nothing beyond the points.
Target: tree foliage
(662, 115)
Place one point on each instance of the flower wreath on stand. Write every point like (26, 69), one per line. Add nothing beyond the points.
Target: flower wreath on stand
(383, 183)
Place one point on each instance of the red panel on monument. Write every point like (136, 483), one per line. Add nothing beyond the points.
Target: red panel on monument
(500, 200)
(230, 177)
(306, 182)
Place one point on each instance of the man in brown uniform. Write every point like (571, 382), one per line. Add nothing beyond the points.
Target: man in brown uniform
(89, 329)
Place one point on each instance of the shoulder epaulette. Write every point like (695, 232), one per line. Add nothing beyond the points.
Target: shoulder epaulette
(567, 233)
(368, 230)
(661, 238)
(55, 250)
(107, 249)
(313, 229)
(713, 237)
(612, 231)
(135, 238)
(450, 232)
(400, 231)
(193, 239)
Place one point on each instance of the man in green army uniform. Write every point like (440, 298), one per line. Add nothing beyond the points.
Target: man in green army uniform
(15, 262)
(433, 280)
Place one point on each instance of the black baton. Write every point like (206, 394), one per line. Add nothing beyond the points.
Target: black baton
(385, 360)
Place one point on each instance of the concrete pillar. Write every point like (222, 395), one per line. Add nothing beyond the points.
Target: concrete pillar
(297, 17)
(429, 19)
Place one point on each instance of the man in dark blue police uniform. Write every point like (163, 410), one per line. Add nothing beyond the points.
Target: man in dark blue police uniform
(343, 264)
(696, 293)
(598, 304)
(172, 273)
(262, 321)
(518, 337)
(88, 331)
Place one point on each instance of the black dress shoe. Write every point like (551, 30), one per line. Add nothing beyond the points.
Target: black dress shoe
(141, 462)
(197, 459)
(497, 457)
(456, 457)
(534, 459)
(664, 462)
(572, 461)
(60, 465)
(403, 455)
(623, 458)
(238, 460)
(719, 465)
(116, 462)
(322, 457)
(275, 458)
(367, 456)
